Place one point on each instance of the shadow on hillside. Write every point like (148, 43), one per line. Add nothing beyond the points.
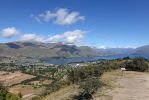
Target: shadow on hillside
(82, 96)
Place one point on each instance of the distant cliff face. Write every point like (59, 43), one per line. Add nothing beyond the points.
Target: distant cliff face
(40, 50)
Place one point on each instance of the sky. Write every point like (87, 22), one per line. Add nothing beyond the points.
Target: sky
(99, 23)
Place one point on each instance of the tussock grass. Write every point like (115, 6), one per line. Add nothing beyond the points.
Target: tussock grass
(109, 80)
(64, 93)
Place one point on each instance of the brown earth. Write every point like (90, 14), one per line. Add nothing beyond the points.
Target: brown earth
(133, 86)
(65, 93)
(8, 78)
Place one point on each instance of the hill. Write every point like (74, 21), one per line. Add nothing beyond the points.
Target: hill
(45, 50)
(143, 50)
(61, 50)
(116, 51)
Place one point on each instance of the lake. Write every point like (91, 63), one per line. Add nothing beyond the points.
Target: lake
(60, 61)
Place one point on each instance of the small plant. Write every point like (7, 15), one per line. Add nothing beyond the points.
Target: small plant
(20, 95)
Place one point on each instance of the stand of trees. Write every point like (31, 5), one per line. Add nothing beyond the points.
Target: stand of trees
(88, 79)
(5, 95)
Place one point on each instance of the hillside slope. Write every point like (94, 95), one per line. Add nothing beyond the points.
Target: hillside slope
(144, 50)
(46, 50)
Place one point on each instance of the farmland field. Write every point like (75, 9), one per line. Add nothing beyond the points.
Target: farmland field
(27, 91)
(8, 78)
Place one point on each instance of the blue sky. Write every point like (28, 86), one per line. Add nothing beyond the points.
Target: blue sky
(102, 23)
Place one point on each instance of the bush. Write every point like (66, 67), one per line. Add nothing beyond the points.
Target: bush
(137, 64)
(90, 85)
(36, 98)
(5, 95)
(78, 74)
(3, 91)
(11, 96)
(55, 85)
(20, 95)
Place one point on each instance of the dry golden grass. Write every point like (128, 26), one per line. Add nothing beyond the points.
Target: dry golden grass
(8, 78)
(64, 93)
(132, 85)
(109, 79)
(25, 89)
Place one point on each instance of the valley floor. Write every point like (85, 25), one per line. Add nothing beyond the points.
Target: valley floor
(133, 86)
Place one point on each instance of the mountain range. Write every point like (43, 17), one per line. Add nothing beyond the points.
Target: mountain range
(45, 50)
(54, 50)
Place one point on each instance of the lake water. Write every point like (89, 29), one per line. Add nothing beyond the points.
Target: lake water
(59, 61)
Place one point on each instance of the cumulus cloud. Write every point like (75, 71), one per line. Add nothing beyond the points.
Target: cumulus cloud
(31, 38)
(70, 37)
(60, 16)
(9, 32)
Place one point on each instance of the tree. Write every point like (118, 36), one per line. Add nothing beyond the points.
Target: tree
(71, 75)
(3, 91)
(90, 85)
(5, 95)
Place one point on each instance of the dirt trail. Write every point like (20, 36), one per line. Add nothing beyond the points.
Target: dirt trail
(133, 86)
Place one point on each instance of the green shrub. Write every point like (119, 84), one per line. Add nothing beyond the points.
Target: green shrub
(36, 98)
(78, 74)
(90, 85)
(11, 96)
(137, 64)
(5, 95)
(3, 91)
(55, 85)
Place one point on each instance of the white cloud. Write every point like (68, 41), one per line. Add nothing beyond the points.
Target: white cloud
(126, 47)
(101, 47)
(68, 37)
(97, 46)
(61, 16)
(31, 38)
(9, 32)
